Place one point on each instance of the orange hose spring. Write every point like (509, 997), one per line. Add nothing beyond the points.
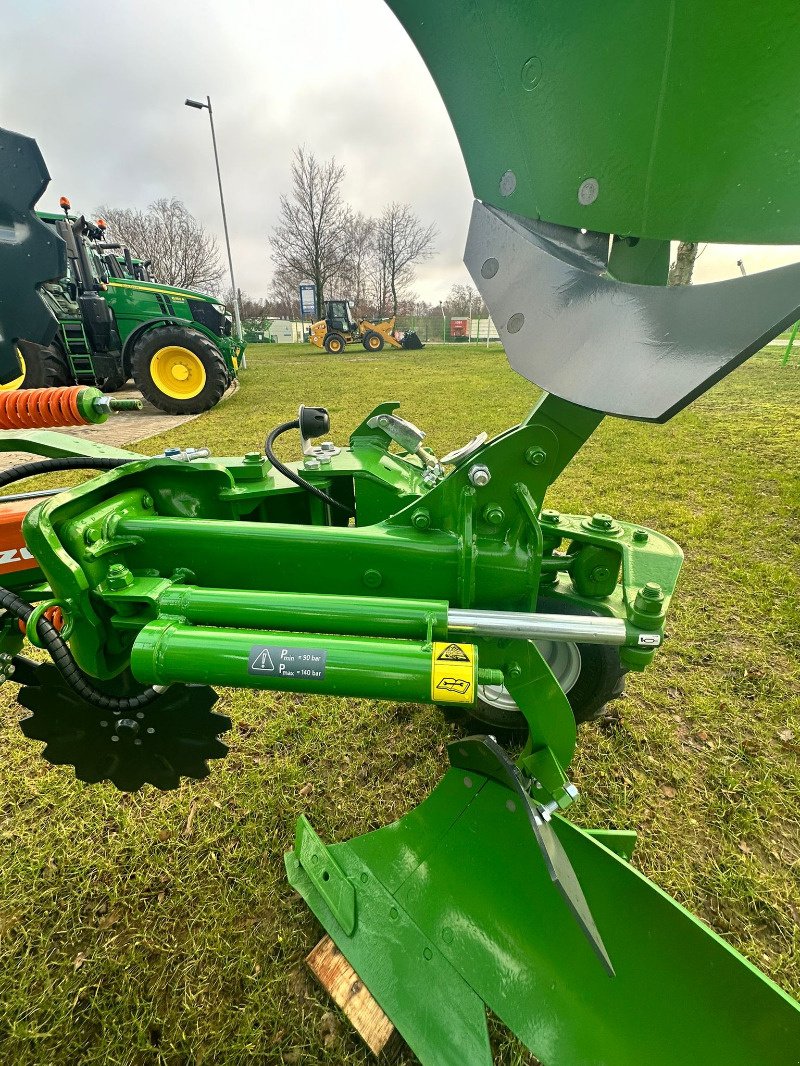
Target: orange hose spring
(53, 615)
(41, 408)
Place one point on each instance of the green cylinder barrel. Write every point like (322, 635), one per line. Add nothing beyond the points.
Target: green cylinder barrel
(165, 652)
(368, 616)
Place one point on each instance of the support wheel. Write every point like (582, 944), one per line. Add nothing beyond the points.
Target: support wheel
(373, 341)
(179, 370)
(590, 675)
(42, 368)
(334, 343)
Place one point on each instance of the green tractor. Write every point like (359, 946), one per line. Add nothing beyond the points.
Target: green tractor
(114, 323)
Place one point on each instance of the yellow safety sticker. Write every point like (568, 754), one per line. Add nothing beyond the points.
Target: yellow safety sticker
(453, 668)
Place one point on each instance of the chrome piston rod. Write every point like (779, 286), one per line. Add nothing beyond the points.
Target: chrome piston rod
(521, 625)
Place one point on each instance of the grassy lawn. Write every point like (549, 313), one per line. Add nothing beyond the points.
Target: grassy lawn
(159, 928)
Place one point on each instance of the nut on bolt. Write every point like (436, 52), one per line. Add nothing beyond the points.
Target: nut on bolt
(650, 598)
(479, 475)
(551, 518)
(602, 521)
(494, 514)
(119, 576)
(535, 456)
(421, 519)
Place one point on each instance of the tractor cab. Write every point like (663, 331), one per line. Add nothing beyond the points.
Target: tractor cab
(339, 316)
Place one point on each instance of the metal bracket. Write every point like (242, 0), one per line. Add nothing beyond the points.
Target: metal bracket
(485, 756)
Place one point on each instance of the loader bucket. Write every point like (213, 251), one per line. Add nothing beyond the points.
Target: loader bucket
(452, 910)
(411, 340)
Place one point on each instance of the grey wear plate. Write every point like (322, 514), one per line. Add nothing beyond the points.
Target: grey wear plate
(637, 351)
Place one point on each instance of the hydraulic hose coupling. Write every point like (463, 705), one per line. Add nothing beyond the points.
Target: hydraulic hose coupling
(75, 405)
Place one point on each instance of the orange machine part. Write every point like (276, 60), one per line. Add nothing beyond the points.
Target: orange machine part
(14, 555)
(41, 408)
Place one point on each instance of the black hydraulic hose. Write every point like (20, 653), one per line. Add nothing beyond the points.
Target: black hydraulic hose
(52, 466)
(292, 475)
(66, 665)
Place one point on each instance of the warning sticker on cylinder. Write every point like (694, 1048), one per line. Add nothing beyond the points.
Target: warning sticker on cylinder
(453, 673)
(272, 660)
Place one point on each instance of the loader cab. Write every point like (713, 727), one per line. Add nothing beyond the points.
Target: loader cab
(339, 316)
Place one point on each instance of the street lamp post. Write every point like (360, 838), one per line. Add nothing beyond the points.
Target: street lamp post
(441, 308)
(236, 316)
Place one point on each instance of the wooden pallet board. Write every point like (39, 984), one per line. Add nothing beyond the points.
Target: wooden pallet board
(344, 986)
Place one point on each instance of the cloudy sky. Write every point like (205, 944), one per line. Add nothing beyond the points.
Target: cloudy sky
(101, 86)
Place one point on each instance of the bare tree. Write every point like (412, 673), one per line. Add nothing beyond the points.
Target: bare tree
(465, 301)
(680, 273)
(311, 237)
(181, 251)
(401, 242)
(355, 274)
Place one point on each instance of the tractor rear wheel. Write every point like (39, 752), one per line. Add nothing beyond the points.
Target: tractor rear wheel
(42, 368)
(179, 370)
(590, 675)
(334, 343)
(373, 341)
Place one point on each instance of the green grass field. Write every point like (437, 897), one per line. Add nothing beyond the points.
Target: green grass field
(159, 928)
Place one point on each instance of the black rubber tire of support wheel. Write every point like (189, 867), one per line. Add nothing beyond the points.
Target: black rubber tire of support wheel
(204, 351)
(601, 679)
(45, 368)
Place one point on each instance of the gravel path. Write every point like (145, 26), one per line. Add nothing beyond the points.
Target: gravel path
(120, 429)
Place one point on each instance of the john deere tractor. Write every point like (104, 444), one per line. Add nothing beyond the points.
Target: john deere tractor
(176, 344)
(340, 327)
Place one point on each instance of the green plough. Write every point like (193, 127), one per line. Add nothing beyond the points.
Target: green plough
(379, 569)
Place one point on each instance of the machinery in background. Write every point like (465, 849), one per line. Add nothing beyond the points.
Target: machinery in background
(340, 327)
(115, 324)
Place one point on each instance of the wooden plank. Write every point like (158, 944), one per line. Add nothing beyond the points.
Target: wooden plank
(344, 986)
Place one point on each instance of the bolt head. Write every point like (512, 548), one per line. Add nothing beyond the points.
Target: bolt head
(479, 475)
(494, 515)
(253, 457)
(550, 517)
(372, 578)
(421, 520)
(641, 536)
(535, 456)
(602, 521)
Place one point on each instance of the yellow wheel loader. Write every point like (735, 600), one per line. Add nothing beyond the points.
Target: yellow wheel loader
(339, 328)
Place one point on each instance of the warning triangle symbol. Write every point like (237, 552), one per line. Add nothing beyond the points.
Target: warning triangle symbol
(263, 662)
(452, 653)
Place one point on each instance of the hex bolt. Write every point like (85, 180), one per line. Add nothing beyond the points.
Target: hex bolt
(254, 457)
(91, 536)
(551, 518)
(311, 462)
(641, 536)
(479, 475)
(494, 514)
(650, 598)
(421, 519)
(147, 502)
(119, 576)
(535, 456)
(602, 521)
